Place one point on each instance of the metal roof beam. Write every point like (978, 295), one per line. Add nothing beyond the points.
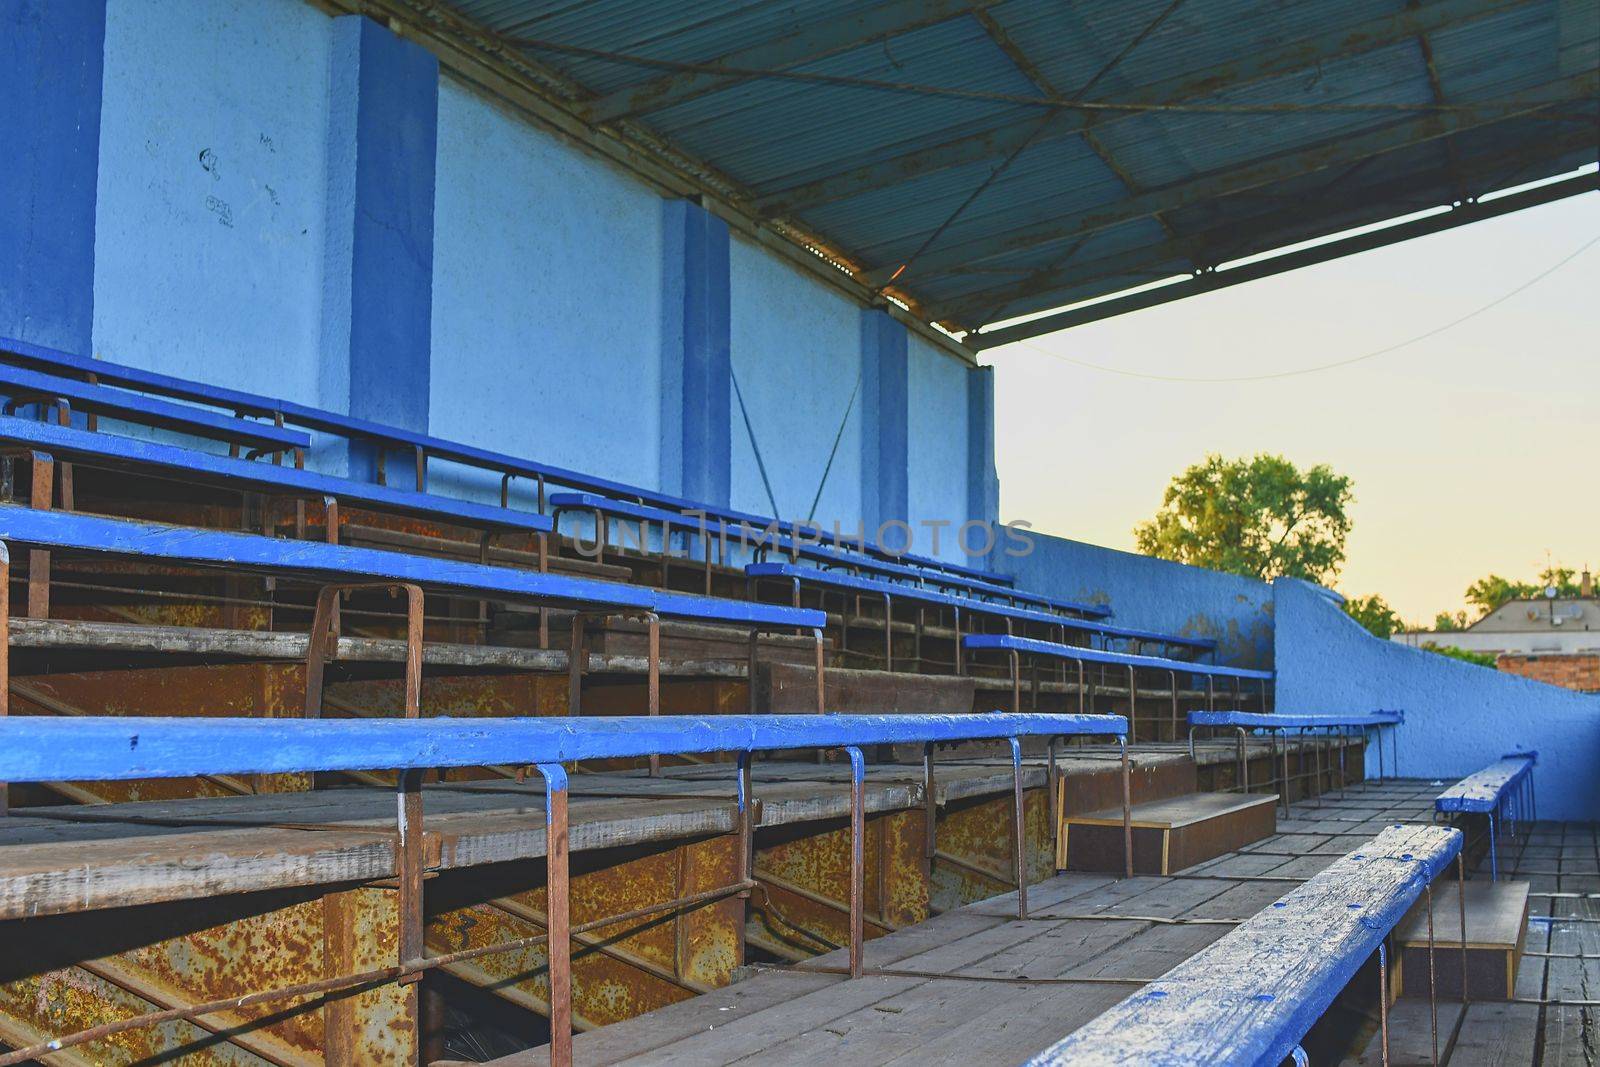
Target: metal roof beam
(1296, 55)
(1479, 175)
(810, 41)
(1214, 280)
(1048, 227)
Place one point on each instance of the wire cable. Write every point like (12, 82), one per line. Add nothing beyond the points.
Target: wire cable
(1436, 331)
(754, 445)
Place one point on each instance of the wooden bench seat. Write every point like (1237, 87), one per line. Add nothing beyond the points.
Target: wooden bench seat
(126, 453)
(1248, 999)
(22, 385)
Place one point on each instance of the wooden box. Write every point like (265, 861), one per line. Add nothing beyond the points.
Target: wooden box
(1168, 835)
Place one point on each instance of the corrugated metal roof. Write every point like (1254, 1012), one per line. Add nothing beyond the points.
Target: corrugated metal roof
(1324, 114)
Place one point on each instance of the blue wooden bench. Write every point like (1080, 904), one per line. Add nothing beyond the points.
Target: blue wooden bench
(1017, 647)
(710, 530)
(22, 385)
(124, 453)
(334, 568)
(386, 440)
(1502, 789)
(1248, 999)
(1276, 724)
(115, 748)
(797, 576)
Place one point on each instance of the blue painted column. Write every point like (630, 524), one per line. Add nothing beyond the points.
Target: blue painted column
(51, 57)
(983, 484)
(885, 422)
(696, 342)
(378, 266)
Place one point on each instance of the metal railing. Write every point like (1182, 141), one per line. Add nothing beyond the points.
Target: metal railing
(1276, 724)
(107, 748)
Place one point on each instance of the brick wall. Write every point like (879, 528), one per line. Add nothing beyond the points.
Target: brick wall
(1570, 670)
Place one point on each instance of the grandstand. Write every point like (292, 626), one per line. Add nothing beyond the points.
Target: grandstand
(501, 555)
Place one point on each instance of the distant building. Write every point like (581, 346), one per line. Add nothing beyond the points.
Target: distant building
(1555, 640)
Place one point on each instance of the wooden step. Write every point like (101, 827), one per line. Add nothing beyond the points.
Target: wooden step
(1497, 925)
(1168, 835)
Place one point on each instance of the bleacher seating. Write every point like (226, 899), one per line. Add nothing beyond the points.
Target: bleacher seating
(124, 453)
(27, 386)
(1503, 788)
(761, 540)
(798, 577)
(116, 748)
(1017, 647)
(420, 447)
(1276, 724)
(1248, 999)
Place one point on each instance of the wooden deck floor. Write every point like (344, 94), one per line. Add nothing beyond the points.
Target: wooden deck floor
(978, 986)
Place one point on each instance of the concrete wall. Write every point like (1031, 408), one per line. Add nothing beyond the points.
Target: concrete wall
(1459, 717)
(546, 297)
(208, 236)
(796, 352)
(1155, 594)
(937, 463)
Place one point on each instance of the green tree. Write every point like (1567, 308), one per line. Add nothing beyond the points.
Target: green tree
(1444, 622)
(1260, 517)
(1482, 659)
(1375, 614)
(1488, 593)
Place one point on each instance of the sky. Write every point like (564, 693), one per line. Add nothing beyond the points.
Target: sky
(1474, 451)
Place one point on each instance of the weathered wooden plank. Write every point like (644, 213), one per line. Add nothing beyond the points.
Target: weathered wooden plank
(1411, 1036)
(48, 879)
(1028, 1020)
(1496, 1035)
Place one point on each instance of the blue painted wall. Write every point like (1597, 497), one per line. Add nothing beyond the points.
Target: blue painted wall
(50, 88)
(936, 475)
(547, 283)
(885, 381)
(797, 354)
(274, 225)
(1459, 717)
(383, 104)
(696, 354)
(1153, 593)
(210, 206)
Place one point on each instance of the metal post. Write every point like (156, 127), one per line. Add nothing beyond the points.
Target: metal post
(577, 659)
(653, 685)
(930, 803)
(1494, 859)
(1174, 676)
(1433, 992)
(746, 820)
(1279, 735)
(822, 691)
(750, 672)
(1127, 811)
(1018, 836)
(1133, 702)
(1244, 761)
(1383, 997)
(888, 633)
(858, 859)
(558, 918)
(1052, 789)
(5, 656)
(1461, 901)
(1016, 679)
